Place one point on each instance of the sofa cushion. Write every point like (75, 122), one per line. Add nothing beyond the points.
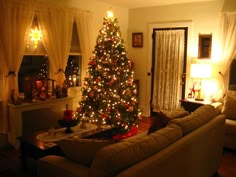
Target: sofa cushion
(112, 159)
(199, 117)
(176, 113)
(229, 109)
(230, 127)
(82, 150)
(160, 120)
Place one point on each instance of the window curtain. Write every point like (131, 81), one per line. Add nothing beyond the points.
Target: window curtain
(16, 18)
(169, 58)
(228, 42)
(56, 25)
(83, 21)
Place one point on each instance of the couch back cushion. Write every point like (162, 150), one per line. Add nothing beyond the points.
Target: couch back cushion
(111, 160)
(82, 150)
(229, 107)
(199, 117)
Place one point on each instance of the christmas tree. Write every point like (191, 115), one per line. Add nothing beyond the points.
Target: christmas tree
(109, 95)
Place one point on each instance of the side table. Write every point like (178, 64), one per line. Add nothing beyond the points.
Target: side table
(31, 147)
(191, 105)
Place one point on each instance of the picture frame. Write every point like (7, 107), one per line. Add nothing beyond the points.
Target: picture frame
(137, 40)
(204, 46)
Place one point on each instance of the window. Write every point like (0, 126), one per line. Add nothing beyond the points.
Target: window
(73, 75)
(35, 62)
(34, 66)
(73, 69)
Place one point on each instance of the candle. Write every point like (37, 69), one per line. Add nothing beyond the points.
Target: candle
(74, 79)
(68, 114)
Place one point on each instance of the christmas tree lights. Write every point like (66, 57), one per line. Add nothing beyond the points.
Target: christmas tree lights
(109, 94)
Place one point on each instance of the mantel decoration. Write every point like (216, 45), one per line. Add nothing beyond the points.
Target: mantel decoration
(68, 120)
(109, 95)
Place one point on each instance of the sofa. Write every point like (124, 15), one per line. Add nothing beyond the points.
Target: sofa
(190, 146)
(229, 110)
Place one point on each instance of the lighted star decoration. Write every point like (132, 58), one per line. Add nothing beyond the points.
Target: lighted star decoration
(36, 35)
(110, 14)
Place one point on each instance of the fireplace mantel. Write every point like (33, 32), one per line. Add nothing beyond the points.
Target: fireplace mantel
(15, 114)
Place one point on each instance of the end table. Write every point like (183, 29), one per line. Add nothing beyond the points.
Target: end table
(191, 105)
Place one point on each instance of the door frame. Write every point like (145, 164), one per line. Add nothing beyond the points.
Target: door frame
(184, 64)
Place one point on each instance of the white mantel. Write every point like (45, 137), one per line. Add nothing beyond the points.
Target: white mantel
(15, 114)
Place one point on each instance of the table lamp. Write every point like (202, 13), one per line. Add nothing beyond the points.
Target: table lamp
(200, 71)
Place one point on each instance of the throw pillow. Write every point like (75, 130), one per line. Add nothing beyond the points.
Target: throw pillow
(229, 106)
(82, 150)
(160, 120)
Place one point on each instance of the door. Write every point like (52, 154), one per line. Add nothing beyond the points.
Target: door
(169, 53)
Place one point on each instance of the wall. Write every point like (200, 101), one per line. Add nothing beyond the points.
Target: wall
(202, 17)
(99, 12)
(229, 5)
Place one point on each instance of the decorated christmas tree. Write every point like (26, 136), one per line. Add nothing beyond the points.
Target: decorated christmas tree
(109, 95)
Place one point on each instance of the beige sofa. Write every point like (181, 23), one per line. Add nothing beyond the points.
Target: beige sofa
(187, 147)
(229, 110)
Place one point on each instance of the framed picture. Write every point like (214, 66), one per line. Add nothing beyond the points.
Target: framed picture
(204, 46)
(137, 40)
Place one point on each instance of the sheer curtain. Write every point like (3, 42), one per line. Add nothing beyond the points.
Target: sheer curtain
(228, 42)
(56, 24)
(16, 18)
(83, 21)
(169, 58)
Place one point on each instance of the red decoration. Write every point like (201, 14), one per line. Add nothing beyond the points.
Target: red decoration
(92, 63)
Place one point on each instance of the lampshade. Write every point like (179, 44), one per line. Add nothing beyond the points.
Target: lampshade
(200, 71)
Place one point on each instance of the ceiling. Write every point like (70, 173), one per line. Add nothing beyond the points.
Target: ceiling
(147, 3)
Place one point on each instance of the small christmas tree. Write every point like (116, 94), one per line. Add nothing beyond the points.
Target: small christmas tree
(43, 72)
(109, 92)
(72, 72)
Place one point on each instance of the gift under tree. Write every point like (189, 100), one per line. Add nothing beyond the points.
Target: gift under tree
(109, 95)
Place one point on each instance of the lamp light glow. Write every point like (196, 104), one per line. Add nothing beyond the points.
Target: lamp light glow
(201, 71)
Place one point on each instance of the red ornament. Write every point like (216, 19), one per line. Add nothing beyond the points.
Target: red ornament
(91, 95)
(111, 81)
(131, 108)
(79, 109)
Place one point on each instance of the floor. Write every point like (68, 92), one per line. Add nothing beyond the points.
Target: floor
(228, 164)
(10, 164)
